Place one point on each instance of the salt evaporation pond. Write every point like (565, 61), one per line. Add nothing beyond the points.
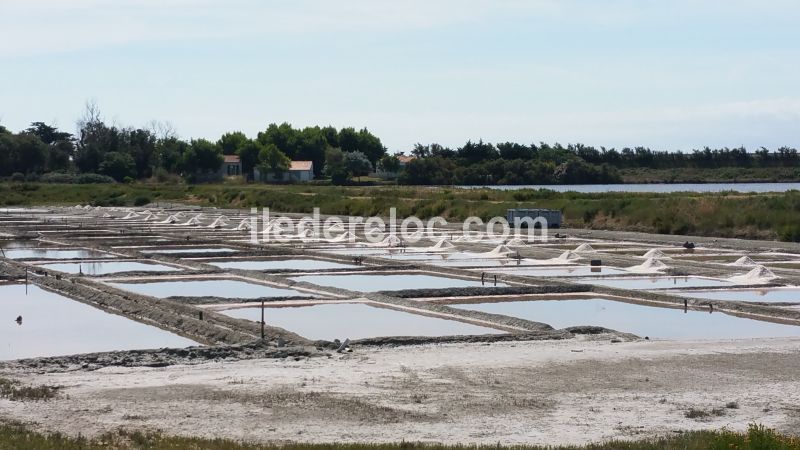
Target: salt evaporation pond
(282, 264)
(662, 323)
(103, 268)
(566, 271)
(55, 254)
(169, 251)
(657, 282)
(208, 288)
(389, 282)
(787, 295)
(53, 325)
(356, 321)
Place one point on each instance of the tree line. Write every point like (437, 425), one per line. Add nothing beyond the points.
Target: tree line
(513, 163)
(100, 151)
(127, 153)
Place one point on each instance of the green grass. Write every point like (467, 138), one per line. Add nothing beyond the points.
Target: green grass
(15, 391)
(725, 214)
(718, 175)
(14, 436)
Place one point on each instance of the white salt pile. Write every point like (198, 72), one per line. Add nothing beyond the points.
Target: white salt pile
(655, 253)
(759, 275)
(744, 261)
(651, 265)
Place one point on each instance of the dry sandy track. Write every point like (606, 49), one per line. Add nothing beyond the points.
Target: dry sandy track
(551, 392)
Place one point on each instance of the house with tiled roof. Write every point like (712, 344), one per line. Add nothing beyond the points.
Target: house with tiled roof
(231, 166)
(298, 171)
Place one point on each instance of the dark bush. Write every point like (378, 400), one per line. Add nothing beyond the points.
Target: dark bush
(141, 200)
(17, 177)
(69, 178)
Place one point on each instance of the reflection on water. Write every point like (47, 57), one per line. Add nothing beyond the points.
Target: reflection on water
(563, 271)
(103, 268)
(55, 254)
(391, 282)
(356, 321)
(45, 324)
(641, 320)
(661, 282)
(167, 251)
(748, 295)
(210, 288)
(282, 264)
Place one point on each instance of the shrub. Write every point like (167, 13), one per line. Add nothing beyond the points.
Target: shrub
(17, 177)
(70, 178)
(141, 200)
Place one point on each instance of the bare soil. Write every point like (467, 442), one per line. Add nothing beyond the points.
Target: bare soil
(576, 391)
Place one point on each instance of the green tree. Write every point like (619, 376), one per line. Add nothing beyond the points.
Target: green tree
(357, 164)
(335, 165)
(48, 134)
(141, 145)
(390, 163)
(58, 155)
(249, 155)
(202, 156)
(272, 160)
(283, 136)
(230, 143)
(28, 154)
(169, 154)
(118, 166)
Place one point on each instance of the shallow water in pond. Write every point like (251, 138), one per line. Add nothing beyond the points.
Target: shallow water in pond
(574, 271)
(282, 264)
(168, 251)
(656, 282)
(8, 244)
(747, 295)
(55, 254)
(53, 325)
(102, 268)
(208, 288)
(498, 262)
(662, 323)
(356, 321)
(390, 282)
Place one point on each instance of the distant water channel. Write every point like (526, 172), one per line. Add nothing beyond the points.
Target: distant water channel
(653, 187)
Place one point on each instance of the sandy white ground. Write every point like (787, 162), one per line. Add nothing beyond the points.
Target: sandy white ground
(555, 392)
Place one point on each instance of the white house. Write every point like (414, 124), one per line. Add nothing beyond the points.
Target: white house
(298, 171)
(231, 166)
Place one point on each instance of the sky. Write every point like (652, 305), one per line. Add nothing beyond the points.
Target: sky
(670, 75)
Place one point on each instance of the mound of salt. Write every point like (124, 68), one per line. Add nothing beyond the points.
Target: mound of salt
(344, 237)
(584, 248)
(568, 256)
(220, 222)
(651, 265)
(516, 242)
(759, 275)
(655, 253)
(443, 244)
(744, 261)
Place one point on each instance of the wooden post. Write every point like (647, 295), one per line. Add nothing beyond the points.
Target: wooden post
(26, 280)
(262, 319)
